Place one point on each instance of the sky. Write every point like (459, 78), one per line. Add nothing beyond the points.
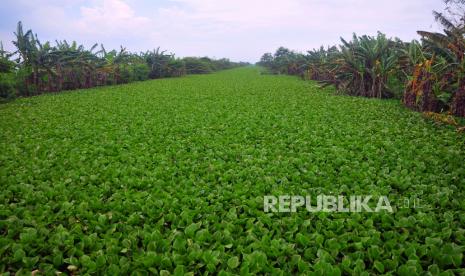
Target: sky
(241, 30)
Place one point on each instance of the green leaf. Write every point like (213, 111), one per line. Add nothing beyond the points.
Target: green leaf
(164, 273)
(233, 262)
(191, 229)
(378, 266)
(19, 254)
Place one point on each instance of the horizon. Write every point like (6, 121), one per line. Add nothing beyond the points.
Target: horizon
(240, 31)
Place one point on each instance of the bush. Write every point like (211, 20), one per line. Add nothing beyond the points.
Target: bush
(125, 74)
(140, 71)
(7, 86)
(23, 82)
(197, 66)
(7, 80)
(176, 68)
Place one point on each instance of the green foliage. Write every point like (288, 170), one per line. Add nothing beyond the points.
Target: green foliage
(284, 61)
(7, 86)
(447, 63)
(168, 177)
(7, 77)
(197, 65)
(224, 63)
(176, 68)
(161, 65)
(41, 67)
(140, 72)
(6, 66)
(365, 65)
(204, 65)
(428, 76)
(266, 60)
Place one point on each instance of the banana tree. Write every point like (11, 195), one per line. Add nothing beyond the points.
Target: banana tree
(365, 64)
(449, 47)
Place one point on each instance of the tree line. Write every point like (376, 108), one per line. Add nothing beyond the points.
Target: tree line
(428, 75)
(35, 67)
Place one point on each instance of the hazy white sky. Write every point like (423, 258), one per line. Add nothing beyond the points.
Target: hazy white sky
(237, 29)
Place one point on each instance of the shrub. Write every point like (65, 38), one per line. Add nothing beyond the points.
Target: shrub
(7, 80)
(7, 86)
(176, 68)
(197, 66)
(140, 71)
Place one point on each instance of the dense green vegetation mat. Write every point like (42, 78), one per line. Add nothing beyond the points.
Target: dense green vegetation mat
(168, 176)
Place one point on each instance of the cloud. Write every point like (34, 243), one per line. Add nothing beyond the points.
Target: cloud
(242, 13)
(112, 22)
(111, 18)
(319, 15)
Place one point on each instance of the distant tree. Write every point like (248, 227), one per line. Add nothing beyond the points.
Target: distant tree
(7, 80)
(266, 60)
